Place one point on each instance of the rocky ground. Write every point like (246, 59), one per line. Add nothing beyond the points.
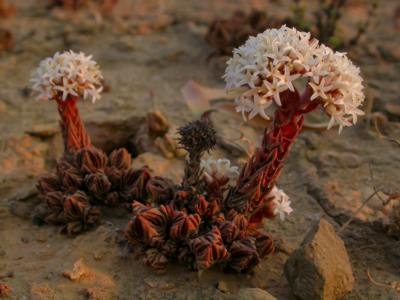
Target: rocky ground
(148, 50)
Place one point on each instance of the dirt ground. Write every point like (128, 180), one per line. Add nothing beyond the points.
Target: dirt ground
(148, 50)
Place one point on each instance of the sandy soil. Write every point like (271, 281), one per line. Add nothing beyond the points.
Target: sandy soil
(148, 50)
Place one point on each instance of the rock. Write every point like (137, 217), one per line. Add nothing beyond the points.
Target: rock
(41, 237)
(97, 293)
(20, 209)
(98, 254)
(82, 273)
(42, 291)
(223, 286)
(79, 271)
(254, 294)
(5, 290)
(320, 267)
(160, 166)
(109, 134)
(25, 239)
(335, 159)
(44, 130)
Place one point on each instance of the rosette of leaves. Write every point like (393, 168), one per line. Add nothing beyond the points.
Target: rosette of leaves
(87, 179)
(191, 222)
(195, 229)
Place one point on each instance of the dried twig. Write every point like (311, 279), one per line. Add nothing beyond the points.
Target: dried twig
(393, 285)
(356, 213)
(393, 140)
(376, 192)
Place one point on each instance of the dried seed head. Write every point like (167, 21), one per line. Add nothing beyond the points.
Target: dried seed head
(197, 136)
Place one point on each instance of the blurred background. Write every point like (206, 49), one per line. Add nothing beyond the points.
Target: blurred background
(168, 56)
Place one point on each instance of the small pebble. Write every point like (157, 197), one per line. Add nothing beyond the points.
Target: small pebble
(41, 237)
(223, 286)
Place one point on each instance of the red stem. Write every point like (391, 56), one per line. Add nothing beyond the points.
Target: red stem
(262, 170)
(74, 133)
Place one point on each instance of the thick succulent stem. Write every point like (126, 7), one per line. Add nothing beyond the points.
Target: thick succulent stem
(73, 131)
(262, 170)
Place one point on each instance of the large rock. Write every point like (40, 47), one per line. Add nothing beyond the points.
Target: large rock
(254, 294)
(320, 268)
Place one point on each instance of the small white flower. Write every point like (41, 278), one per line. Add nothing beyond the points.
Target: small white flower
(281, 203)
(267, 64)
(67, 74)
(320, 89)
(260, 106)
(274, 89)
(287, 79)
(218, 169)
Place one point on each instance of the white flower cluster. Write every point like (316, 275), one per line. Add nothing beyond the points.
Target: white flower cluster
(281, 203)
(268, 64)
(67, 74)
(218, 169)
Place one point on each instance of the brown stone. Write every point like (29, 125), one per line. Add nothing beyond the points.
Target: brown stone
(320, 267)
(254, 294)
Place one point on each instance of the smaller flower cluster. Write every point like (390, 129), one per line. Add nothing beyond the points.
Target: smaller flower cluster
(218, 169)
(84, 181)
(267, 65)
(67, 74)
(280, 202)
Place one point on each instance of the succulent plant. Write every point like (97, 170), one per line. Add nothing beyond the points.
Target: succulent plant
(85, 177)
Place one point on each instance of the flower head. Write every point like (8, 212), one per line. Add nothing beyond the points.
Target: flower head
(67, 74)
(219, 169)
(197, 136)
(281, 203)
(268, 64)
